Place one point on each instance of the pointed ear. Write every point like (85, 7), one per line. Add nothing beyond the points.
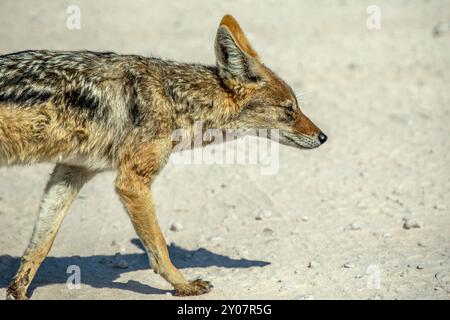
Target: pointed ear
(234, 55)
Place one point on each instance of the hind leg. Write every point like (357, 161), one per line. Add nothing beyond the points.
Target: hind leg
(62, 188)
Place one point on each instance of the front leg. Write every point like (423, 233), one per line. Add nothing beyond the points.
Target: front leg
(136, 173)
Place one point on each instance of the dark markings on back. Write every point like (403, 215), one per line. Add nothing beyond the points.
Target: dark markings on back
(72, 81)
(135, 113)
(130, 88)
(26, 98)
(31, 78)
(83, 100)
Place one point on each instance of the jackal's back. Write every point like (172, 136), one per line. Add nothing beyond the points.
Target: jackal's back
(56, 105)
(77, 80)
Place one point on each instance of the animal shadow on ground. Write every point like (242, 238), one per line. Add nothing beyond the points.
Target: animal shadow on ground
(101, 271)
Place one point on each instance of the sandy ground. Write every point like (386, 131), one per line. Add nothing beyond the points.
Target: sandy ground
(329, 224)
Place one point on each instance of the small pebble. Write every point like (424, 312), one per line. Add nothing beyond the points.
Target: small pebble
(215, 239)
(441, 28)
(352, 66)
(440, 276)
(120, 263)
(304, 297)
(410, 224)
(176, 226)
(419, 267)
(304, 218)
(421, 244)
(268, 232)
(267, 213)
(354, 226)
(263, 214)
(439, 206)
(348, 265)
(313, 264)
(362, 204)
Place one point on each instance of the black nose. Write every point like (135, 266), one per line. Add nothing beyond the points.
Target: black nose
(322, 137)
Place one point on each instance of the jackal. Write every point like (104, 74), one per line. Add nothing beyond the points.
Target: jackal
(88, 112)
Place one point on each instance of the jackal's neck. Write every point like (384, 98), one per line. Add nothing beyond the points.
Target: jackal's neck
(199, 94)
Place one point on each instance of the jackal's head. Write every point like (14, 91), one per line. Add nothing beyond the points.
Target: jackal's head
(265, 100)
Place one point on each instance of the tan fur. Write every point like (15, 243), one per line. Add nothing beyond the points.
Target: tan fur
(41, 134)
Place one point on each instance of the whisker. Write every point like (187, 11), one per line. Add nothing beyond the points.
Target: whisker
(302, 96)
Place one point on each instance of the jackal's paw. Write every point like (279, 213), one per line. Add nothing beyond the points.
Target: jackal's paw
(13, 295)
(193, 288)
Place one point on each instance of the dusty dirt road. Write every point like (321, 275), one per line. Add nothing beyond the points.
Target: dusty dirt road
(330, 223)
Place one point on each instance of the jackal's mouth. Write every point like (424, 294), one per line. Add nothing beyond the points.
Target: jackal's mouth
(300, 141)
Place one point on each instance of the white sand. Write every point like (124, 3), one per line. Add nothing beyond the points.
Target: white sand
(383, 98)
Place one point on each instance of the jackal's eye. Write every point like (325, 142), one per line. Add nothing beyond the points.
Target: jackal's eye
(289, 105)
